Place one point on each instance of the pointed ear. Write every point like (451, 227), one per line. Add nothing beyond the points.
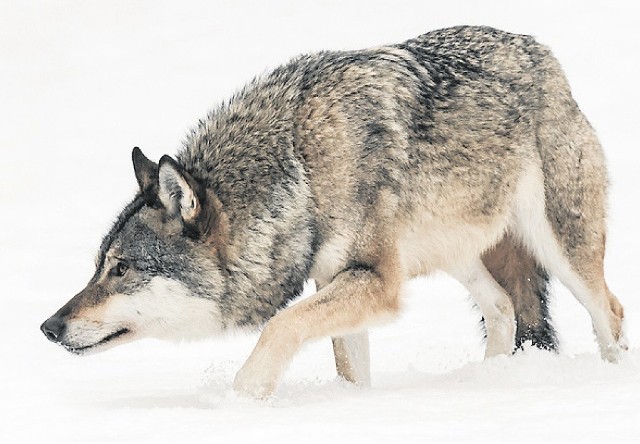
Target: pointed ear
(178, 191)
(146, 174)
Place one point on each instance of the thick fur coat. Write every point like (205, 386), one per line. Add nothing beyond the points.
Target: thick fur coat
(460, 150)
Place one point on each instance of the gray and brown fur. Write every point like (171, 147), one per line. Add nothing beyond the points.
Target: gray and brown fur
(460, 150)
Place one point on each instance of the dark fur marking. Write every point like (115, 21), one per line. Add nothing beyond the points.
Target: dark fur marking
(126, 214)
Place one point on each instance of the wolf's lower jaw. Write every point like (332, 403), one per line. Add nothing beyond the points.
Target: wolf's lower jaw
(85, 348)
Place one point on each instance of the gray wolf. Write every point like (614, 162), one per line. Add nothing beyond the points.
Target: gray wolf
(460, 150)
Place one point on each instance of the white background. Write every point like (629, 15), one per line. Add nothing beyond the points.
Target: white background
(81, 83)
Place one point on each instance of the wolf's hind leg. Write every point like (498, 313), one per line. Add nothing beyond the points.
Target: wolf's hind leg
(586, 282)
(356, 298)
(526, 282)
(352, 357)
(494, 303)
(576, 257)
(562, 214)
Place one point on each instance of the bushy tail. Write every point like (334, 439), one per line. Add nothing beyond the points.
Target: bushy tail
(526, 282)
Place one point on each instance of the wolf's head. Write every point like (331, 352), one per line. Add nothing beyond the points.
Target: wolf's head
(159, 271)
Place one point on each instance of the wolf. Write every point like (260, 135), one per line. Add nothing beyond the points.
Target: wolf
(460, 150)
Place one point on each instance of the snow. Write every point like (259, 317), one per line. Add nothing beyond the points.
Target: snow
(81, 83)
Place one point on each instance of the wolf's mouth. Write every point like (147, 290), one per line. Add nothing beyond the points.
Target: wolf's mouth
(79, 350)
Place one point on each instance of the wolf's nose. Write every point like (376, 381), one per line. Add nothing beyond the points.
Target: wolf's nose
(52, 328)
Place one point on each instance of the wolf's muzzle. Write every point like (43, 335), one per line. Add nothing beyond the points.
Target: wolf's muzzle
(53, 328)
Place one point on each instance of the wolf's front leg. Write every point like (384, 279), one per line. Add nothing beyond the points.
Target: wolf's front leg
(352, 358)
(357, 297)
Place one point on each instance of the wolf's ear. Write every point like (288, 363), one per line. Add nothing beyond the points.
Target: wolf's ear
(146, 174)
(182, 195)
(178, 191)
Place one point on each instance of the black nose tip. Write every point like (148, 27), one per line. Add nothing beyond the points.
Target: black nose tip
(53, 328)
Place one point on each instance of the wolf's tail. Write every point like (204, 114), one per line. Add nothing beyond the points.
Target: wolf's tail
(526, 282)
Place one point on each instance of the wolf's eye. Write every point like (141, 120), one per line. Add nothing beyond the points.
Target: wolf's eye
(120, 269)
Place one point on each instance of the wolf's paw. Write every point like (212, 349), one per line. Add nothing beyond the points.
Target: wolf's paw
(612, 352)
(623, 343)
(501, 338)
(252, 385)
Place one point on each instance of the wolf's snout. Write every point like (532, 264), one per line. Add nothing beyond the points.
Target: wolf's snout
(53, 328)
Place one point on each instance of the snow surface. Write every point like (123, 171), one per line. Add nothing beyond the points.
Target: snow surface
(81, 83)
